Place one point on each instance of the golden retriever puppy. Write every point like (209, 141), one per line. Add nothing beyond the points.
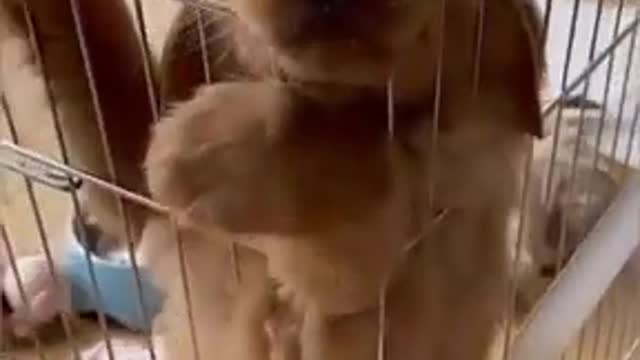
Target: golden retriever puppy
(301, 181)
(302, 173)
(122, 97)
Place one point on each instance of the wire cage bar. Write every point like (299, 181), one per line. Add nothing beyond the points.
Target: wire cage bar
(585, 279)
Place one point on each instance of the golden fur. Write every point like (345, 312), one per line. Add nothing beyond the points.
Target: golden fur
(302, 175)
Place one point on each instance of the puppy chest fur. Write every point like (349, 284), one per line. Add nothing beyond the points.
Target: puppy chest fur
(332, 203)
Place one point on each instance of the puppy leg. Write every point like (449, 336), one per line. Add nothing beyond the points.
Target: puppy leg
(228, 316)
(122, 99)
(446, 302)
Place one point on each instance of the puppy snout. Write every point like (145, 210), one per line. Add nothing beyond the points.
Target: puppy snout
(330, 8)
(329, 19)
(316, 21)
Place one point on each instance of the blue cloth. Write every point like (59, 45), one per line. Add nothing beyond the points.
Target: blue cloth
(117, 286)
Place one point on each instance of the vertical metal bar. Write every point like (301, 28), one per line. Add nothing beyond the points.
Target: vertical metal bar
(607, 86)
(610, 60)
(433, 159)
(478, 48)
(175, 229)
(140, 297)
(513, 286)
(42, 234)
(632, 136)
(382, 295)
(623, 97)
(391, 117)
(563, 226)
(382, 323)
(145, 49)
(206, 67)
(581, 341)
(635, 322)
(614, 319)
(546, 21)
(626, 324)
(598, 329)
(95, 97)
(98, 296)
(565, 79)
(20, 283)
(37, 50)
(204, 49)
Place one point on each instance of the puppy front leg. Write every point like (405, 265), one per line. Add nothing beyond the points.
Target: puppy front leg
(445, 303)
(228, 316)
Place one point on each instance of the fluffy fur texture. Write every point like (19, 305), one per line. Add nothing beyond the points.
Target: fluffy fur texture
(301, 173)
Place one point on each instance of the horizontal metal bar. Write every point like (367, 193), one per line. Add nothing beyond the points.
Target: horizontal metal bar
(103, 184)
(44, 175)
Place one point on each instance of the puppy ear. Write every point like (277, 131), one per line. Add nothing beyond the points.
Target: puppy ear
(512, 60)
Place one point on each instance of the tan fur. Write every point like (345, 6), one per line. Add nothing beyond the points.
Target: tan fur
(331, 229)
(117, 66)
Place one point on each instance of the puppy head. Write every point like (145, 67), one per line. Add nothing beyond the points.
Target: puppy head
(339, 41)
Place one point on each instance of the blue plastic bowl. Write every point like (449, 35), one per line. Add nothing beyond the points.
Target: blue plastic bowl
(120, 295)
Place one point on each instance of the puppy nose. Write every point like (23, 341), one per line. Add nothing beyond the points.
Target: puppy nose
(331, 7)
(328, 18)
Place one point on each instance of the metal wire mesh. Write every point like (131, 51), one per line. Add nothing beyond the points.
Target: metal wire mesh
(601, 67)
